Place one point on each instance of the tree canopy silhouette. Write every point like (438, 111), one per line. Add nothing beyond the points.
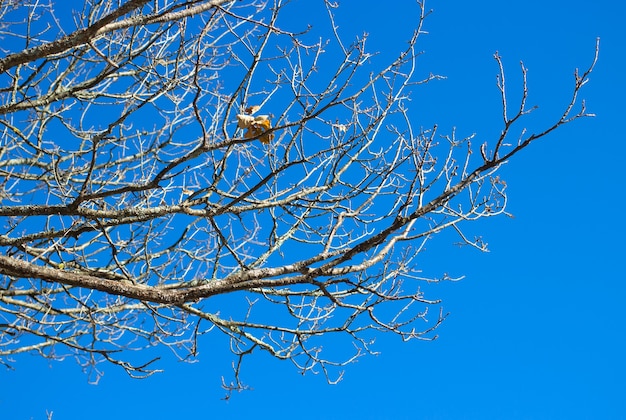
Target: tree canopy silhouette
(170, 169)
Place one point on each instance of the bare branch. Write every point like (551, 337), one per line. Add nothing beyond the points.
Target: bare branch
(177, 168)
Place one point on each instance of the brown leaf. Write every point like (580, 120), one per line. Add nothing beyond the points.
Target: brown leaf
(266, 138)
(252, 109)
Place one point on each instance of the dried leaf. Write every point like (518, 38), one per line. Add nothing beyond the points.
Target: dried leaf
(266, 124)
(266, 138)
(252, 109)
(256, 126)
(251, 132)
(244, 121)
(260, 118)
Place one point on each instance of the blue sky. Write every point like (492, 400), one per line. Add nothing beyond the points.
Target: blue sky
(536, 329)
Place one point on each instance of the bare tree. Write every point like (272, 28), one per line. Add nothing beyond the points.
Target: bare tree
(170, 168)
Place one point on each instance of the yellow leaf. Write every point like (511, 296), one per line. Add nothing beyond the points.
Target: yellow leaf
(266, 124)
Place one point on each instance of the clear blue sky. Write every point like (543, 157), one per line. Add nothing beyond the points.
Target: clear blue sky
(537, 328)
